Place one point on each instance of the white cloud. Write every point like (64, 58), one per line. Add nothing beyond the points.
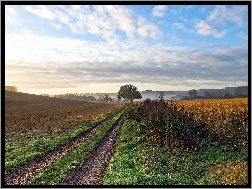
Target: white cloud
(121, 16)
(190, 6)
(147, 29)
(159, 10)
(10, 10)
(56, 26)
(102, 20)
(203, 28)
(99, 20)
(11, 15)
(63, 61)
(234, 14)
(77, 7)
(180, 26)
(42, 11)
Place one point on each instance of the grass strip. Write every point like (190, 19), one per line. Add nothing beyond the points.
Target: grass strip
(136, 163)
(125, 167)
(38, 147)
(59, 171)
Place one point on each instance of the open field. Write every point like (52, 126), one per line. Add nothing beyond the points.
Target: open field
(147, 143)
(28, 116)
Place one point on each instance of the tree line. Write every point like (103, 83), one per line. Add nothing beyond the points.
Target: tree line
(76, 96)
(130, 92)
(240, 91)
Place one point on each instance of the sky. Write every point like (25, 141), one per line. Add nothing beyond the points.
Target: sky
(58, 49)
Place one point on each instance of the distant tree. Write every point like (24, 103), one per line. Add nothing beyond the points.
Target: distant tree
(107, 98)
(192, 93)
(227, 95)
(241, 90)
(91, 98)
(11, 88)
(161, 95)
(59, 96)
(206, 94)
(129, 92)
(100, 98)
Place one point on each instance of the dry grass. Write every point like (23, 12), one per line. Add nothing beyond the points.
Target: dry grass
(235, 173)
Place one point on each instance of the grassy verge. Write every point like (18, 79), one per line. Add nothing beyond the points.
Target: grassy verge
(18, 156)
(125, 167)
(59, 171)
(138, 163)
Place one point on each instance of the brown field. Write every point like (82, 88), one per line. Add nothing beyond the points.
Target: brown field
(34, 115)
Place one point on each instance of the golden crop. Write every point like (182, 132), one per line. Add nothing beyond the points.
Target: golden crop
(234, 173)
(222, 116)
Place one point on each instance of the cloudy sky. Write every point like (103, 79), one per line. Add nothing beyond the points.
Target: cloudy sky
(90, 49)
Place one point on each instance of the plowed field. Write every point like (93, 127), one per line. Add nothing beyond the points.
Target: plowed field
(34, 115)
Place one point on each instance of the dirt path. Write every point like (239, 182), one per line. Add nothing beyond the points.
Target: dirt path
(28, 171)
(92, 171)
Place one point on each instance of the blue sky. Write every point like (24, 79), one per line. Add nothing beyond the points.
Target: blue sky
(91, 49)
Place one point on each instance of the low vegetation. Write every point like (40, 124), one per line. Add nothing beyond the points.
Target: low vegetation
(58, 172)
(154, 149)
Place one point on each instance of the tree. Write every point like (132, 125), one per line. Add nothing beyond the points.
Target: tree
(107, 98)
(192, 93)
(207, 94)
(11, 88)
(129, 92)
(161, 95)
(241, 90)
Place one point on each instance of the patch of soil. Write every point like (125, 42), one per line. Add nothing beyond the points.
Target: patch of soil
(92, 171)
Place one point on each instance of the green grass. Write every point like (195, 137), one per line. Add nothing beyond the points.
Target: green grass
(139, 163)
(125, 167)
(58, 172)
(20, 155)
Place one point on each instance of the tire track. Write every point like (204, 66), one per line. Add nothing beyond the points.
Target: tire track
(92, 171)
(26, 172)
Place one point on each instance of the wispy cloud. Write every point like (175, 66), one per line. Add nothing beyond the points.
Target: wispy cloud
(159, 10)
(11, 15)
(157, 63)
(42, 11)
(56, 26)
(203, 28)
(102, 20)
(146, 29)
(221, 14)
(181, 26)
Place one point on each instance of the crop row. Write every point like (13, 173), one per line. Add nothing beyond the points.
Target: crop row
(227, 118)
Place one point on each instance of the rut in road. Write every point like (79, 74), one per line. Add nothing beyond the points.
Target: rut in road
(26, 172)
(93, 169)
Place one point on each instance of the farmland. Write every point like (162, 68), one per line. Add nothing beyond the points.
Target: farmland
(28, 116)
(64, 142)
(160, 145)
